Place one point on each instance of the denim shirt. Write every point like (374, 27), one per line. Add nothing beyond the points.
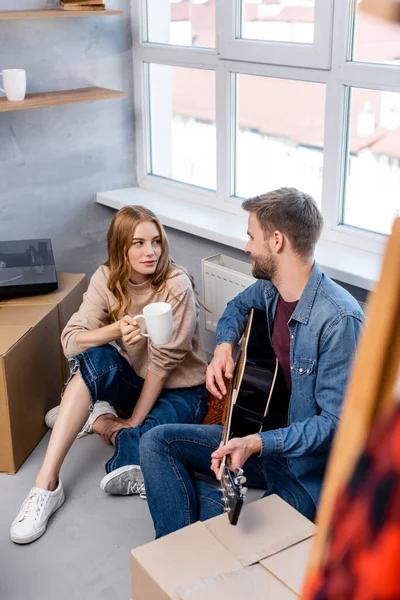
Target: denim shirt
(324, 329)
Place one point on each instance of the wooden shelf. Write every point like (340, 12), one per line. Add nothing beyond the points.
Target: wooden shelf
(58, 98)
(54, 13)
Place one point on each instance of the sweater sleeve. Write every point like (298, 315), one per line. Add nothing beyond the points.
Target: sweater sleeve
(164, 359)
(93, 313)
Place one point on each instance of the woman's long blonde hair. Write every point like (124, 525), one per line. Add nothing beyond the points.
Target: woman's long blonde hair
(119, 241)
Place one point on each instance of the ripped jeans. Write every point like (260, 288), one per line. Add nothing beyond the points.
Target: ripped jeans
(110, 378)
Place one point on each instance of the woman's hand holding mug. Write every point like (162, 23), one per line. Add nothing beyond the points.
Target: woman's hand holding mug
(130, 330)
(159, 322)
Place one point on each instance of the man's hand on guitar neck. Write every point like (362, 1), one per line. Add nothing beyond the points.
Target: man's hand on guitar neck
(238, 449)
(222, 364)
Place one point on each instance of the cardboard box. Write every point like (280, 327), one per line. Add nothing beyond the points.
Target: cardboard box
(30, 379)
(213, 559)
(68, 298)
(290, 565)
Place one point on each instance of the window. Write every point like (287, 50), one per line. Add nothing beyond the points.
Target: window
(278, 142)
(237, 97)
(374, 40)
(373, 160)
(278, 21)
(181, 23)
(182, 124)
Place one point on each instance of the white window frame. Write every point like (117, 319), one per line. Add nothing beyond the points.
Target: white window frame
(316, 55)
(338, 73)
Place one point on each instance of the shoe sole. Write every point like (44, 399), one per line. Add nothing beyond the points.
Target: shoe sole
(38, 534)
(107, 478)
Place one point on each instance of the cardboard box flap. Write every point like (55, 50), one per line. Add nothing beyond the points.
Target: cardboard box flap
(10, 336)
(290, 565)
(187, 556)
(22, 315)
(264, 528)
(250, 582)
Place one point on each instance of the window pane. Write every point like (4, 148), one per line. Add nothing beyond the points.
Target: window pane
(278, 20)
(182, 124)
(372, 195)
(181, 22)
(375, 40)
(279, 135)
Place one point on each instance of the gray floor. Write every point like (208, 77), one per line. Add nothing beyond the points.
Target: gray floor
(84, 553)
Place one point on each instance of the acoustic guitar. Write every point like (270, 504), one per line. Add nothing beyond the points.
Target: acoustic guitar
(251, 404)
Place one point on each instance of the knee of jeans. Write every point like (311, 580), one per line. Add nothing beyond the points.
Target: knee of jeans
(102, 352)
(153, 440)
(99, 359)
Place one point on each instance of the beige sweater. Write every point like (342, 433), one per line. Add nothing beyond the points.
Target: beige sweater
(182, 361)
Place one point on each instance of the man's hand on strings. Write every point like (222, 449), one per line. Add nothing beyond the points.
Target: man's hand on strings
(238, 451)
(222, 364)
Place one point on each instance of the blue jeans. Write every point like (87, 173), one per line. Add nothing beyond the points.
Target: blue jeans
(171, 454)
(110, 378)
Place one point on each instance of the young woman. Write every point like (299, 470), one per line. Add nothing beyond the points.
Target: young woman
(145, 384)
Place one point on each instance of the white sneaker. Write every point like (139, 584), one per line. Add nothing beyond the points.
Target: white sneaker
(50, 417)
(124, 481)
(100, 408)
(31, 521)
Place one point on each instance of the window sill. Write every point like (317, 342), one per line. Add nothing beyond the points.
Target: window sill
(343, 263)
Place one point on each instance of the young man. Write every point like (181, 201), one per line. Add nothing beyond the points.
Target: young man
(313, 325)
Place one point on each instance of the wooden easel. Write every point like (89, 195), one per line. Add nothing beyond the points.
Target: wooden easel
(369, 393)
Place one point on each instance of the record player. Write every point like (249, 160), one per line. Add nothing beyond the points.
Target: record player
(27, 268)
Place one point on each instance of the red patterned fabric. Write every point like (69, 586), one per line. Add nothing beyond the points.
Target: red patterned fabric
(364, 554)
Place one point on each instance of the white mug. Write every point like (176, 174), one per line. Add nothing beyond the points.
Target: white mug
(159, 322)
(14, 81)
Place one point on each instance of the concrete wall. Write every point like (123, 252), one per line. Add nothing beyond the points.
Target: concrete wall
(53, 160)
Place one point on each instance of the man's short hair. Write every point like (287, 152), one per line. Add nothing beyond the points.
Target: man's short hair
(292, 212)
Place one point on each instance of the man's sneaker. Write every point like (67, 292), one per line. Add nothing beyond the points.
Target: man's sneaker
(31, 521)
(100, 408)
(124, 481)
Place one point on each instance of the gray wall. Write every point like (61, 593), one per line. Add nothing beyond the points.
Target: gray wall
(53, 160)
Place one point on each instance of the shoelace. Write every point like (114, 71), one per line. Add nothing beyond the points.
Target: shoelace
(33, 506)
(134, 488)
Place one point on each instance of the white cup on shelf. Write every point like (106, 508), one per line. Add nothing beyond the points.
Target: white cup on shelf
(14, 82)
(159, 322)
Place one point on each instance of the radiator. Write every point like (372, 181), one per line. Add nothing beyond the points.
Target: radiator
(223, 279)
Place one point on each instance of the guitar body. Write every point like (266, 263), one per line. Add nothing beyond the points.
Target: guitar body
(262, 386)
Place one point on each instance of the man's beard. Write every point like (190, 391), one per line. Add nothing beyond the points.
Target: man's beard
(264, 267)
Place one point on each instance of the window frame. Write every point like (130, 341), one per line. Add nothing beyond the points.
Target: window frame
(316, 55)
(340, 74)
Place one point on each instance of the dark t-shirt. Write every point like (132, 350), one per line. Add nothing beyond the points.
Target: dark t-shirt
(281, 346)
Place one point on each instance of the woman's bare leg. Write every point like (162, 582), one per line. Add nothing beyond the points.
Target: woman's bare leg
(72, 415)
